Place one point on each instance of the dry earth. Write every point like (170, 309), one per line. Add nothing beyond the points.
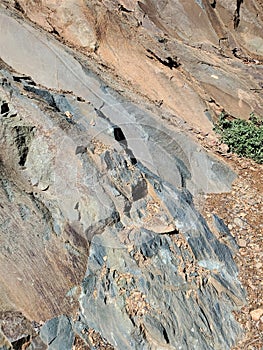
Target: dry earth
(242, 210)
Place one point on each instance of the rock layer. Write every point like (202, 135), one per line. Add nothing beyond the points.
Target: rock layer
(199, 56)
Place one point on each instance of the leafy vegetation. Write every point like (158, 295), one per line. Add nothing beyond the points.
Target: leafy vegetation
(244, 137)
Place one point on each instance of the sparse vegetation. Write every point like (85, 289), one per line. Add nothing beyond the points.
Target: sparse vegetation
(244, 137)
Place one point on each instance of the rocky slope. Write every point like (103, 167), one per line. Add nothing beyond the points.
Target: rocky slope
(102, 246)
(207, 52)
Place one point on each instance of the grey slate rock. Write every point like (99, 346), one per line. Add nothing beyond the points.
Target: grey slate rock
(223, 232)
(58, 334)
(158, 287)
(176, 286)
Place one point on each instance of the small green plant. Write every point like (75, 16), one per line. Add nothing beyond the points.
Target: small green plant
(244, 137)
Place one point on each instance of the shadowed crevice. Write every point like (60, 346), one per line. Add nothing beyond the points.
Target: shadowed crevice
(236, 18)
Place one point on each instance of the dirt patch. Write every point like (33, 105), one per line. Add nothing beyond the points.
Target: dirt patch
(242, 211)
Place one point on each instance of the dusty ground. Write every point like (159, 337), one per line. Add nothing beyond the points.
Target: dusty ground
(242, 211)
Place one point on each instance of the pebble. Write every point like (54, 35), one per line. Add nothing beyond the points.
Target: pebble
(224, 148)
(238, 222)
(68, 114)
(242, 243)
(258, 265)
(256, 314)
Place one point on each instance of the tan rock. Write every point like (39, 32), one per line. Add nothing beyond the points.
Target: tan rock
(256, 314)
(121, 44)
(128, 4)
(68, 114)
(258, 266)
(239, 222)
(224, 148)
(242, 243)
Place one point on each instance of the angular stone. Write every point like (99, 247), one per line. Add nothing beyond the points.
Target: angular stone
(58, 334)
(256, 314)
(242, 243)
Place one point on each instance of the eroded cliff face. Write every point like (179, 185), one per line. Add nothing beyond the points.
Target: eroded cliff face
(194, 57)
(101, 244)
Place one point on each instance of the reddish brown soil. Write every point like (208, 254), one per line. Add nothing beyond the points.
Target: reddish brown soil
(242, 210)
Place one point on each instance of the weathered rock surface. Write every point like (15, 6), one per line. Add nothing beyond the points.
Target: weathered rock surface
(100, 239)
(199, 56)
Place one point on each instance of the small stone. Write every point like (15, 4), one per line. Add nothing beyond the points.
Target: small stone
(212, 142)
(258, 265)
(256, 314)
(34, 181)
(242, 243)
(224, 148)
(238, 222)
(68, 114)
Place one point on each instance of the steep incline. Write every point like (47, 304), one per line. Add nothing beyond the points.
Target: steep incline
(102, 246)
(199, 57)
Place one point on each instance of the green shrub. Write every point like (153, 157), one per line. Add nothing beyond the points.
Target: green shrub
(244, 137)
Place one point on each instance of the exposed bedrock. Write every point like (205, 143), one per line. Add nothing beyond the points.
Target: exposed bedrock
(101, 244)
(86, 224)
(199, 56)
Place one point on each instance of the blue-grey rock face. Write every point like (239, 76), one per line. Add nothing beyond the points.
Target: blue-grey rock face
(100, 239)
(162, 290)
(58, 333)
